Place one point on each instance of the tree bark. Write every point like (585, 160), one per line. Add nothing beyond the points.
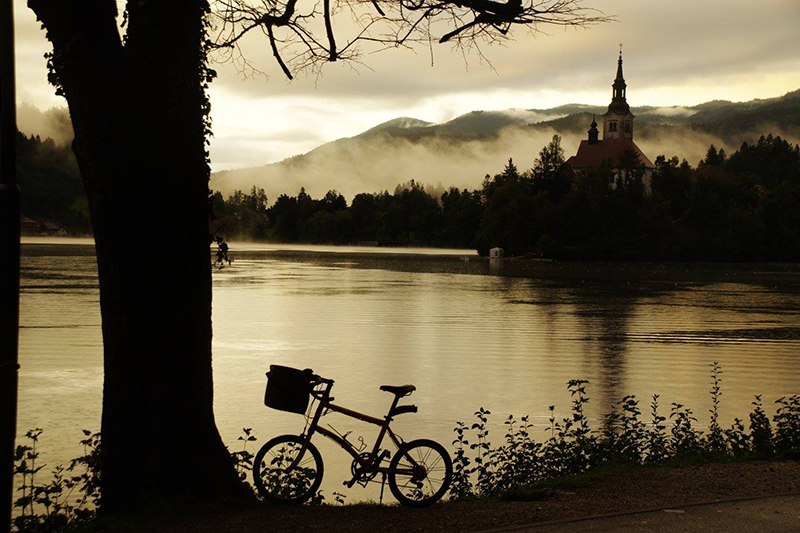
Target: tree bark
(138, 111)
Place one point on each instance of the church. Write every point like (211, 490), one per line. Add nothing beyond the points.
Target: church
(617, 135)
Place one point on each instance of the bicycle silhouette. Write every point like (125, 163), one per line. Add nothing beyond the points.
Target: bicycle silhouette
(289, 468)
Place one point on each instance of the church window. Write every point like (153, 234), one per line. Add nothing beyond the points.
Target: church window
(612, 126)
(627, 127)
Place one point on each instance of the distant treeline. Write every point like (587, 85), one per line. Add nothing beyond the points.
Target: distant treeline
(410, 216)
(50, 184)
(742, 207)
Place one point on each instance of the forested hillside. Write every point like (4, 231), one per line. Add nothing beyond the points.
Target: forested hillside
(430, 159)
(742, 207)
(458, 152)
(50, 184)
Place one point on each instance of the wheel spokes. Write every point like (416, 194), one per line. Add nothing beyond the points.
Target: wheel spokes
(278, 480)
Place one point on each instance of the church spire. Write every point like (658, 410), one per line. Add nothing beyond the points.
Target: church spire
(619, 101)
(618, 120)
(619, 87)
(593, 133)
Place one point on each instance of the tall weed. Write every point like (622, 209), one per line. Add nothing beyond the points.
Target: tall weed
(572, 447)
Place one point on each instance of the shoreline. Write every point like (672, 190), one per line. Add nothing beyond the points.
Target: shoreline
(512, 263)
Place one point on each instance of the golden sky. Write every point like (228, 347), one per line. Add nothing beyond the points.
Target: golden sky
(677, 52)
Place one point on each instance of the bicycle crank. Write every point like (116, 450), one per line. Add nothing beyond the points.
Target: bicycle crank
(362, 474)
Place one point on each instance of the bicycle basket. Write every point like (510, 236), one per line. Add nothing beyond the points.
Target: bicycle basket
(288, 389)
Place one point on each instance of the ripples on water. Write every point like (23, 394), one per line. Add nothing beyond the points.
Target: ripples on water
(464, 335)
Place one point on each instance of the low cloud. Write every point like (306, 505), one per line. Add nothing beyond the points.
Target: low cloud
(54, 123)
(675, 111)
(380, 162)
(527, 116)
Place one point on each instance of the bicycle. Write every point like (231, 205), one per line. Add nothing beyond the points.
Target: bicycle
(289, 468)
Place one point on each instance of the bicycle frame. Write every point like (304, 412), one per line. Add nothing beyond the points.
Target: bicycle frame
(367, 462)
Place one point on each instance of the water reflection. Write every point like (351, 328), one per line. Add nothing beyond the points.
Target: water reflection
(465, 338)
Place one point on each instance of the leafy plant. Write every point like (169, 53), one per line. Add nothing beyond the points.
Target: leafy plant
(461, 486)
(737, 439)
(521, 468)
(69, 497)
(656, 447)
(243, 459)
(483, 457)
(633, 436)
(760, 429)
(787, 425)
(685, 439)
(715, 440)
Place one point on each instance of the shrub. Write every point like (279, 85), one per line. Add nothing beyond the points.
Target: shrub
(71, 495)
(521, 466)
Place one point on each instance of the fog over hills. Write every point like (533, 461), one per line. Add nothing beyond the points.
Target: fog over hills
(462, 151)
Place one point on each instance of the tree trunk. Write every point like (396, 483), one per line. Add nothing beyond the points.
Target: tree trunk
(138, 110)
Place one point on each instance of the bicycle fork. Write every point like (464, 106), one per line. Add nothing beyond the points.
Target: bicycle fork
(300, 455)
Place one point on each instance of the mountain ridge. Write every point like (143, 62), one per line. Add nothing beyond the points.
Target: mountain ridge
(459, 152)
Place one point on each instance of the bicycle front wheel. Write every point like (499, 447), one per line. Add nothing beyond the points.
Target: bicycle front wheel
(275, 480)
(427, 472)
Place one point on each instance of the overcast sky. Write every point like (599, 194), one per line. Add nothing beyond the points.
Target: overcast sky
(677, 52)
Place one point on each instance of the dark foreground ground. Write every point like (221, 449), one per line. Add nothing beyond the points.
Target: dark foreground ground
(775, 514)
(627, 489)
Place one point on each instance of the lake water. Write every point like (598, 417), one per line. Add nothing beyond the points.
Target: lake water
(467, 333)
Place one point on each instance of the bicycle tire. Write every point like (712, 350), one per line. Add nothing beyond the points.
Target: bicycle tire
(421, 491)
(276, 485)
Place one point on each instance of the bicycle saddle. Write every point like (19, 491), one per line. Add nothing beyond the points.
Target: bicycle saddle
(400, 390)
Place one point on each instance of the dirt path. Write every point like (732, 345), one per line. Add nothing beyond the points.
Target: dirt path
(775, 514)
(625, 490)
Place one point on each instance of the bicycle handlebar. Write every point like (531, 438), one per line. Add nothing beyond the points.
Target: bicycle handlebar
(319, 379)
(321, 394)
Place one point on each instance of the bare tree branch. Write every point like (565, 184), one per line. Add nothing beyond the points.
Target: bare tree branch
(291, 30)
(329, 31)
(378, 8)
(277, 54)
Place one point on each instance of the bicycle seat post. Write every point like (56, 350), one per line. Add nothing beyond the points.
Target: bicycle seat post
(399, 391)
(394, 404)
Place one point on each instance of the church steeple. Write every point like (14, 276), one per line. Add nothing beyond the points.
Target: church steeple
(619, 102)
(593, 133)
(617, 142)
(618, 120)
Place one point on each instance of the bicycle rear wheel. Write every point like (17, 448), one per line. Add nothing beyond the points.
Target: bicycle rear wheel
(274, 480)
(430, 473)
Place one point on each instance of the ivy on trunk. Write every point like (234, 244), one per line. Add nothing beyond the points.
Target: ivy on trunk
(139, 111)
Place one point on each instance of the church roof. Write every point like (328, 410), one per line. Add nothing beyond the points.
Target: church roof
(591, 155)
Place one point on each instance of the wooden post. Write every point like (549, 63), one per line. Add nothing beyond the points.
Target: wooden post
(9, 264)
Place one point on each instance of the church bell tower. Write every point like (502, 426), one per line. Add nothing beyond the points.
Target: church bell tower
(618, 120)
